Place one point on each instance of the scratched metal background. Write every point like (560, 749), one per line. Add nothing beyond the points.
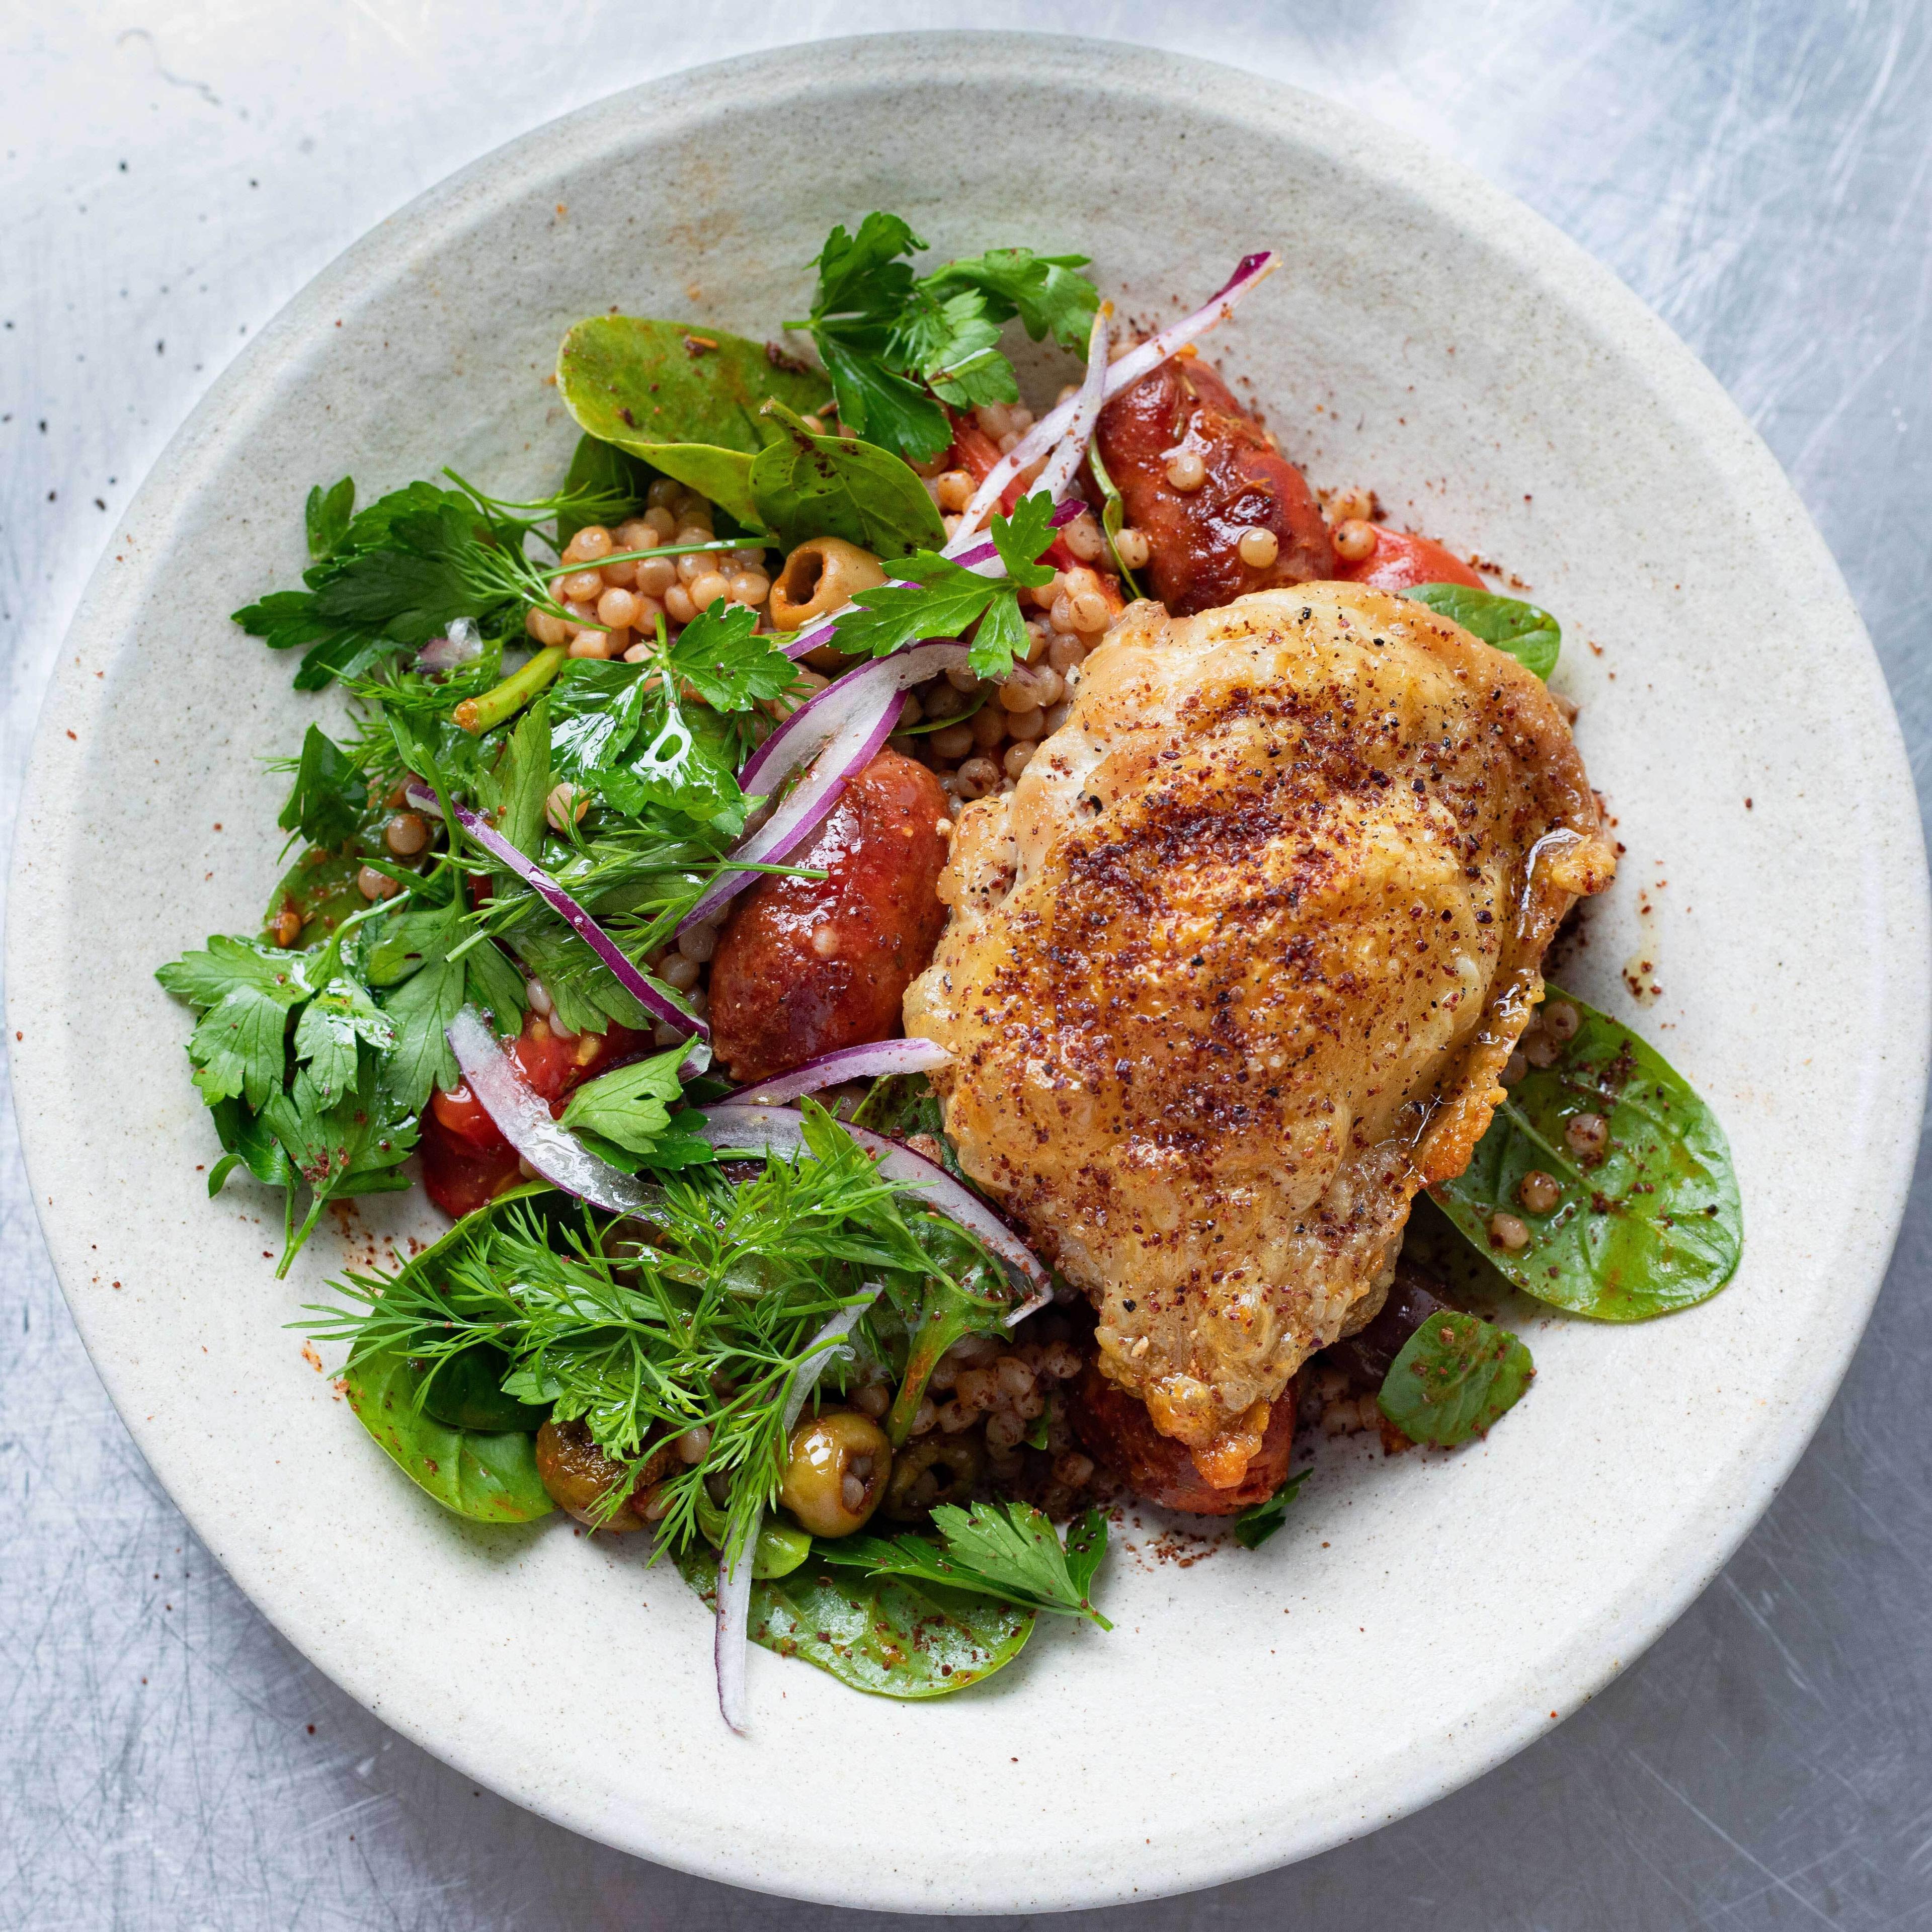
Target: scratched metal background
(1761, 174)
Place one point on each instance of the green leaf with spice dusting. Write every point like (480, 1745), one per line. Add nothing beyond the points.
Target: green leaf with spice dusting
(809, 484)
(684, 398)
(891, 1636)
(1645, 1218)
(489, 1476)
(1454, 1377)
(1532, 637)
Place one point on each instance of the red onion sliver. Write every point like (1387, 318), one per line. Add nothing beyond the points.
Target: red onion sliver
(522, 1117)
(731, 1642)
(840, 731)
(738, 1128)
(1072, 449)
(1121, 375)
(462, 645)
(659, 1006)
(875, 1060)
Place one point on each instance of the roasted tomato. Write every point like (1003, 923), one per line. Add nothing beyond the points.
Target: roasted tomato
(1117, 1432)
(1400, 560)
(1183, 414)
(465, 1161)
(806, 966)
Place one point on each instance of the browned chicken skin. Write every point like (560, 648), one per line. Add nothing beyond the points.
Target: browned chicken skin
(1232, 973)
(1194, 535)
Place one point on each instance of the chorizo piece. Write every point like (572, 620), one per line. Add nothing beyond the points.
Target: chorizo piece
(806, 966)
(1116, 1430)
(1194, 561)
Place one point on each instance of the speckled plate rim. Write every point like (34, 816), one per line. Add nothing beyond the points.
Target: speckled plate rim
(1893, 1092)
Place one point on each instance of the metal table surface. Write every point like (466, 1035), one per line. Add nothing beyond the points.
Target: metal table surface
(1761, 173)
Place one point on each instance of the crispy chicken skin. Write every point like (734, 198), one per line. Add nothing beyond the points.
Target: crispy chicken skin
(1233, 971)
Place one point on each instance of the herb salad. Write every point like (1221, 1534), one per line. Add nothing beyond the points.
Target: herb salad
(603, 917)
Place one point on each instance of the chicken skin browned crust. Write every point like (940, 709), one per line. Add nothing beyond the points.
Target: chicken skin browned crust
(1233, 972)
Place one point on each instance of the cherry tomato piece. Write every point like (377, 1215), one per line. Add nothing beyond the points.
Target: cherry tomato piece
(1401, 560)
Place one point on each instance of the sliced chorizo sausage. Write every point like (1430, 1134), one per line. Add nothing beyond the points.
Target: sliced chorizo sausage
(806, 966)
(1116, 1430)
(1183, 409)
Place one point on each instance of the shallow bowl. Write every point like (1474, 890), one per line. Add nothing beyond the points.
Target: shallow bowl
(1418, 1618)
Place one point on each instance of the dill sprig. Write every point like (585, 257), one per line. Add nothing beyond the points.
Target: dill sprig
(699, 1320)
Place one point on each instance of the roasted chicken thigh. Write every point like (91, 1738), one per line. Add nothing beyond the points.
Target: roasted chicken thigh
(1233, 972)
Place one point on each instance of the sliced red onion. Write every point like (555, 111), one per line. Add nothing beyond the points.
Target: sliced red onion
(735, 1127)
(876, 1060)
(1071, 450)
(658, 1005)
(836, 733)
(979, 555)
(462, 645)
(522, 1117)
(1123, 374)
(731, 1641)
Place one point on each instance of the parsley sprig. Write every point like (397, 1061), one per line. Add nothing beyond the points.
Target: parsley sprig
(944, 600)
(1005, 1549)
(898, 345)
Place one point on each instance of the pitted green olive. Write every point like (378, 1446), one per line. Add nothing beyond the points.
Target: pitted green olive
(840, 1463)
(934, 1469)
(580, 1476)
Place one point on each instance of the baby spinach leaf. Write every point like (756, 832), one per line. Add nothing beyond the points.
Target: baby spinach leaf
(320, 889)
(1259, 1521)
(1652, 1224)
(465, 1390)
(489, 1476)
(684, 399)
(807, 484)
(1454, 1377)
(890, 1636)
(601, 469)
(1532, 637)
(1454, 1269)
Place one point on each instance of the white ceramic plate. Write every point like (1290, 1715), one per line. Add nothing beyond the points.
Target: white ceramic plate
(1417, 1619)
